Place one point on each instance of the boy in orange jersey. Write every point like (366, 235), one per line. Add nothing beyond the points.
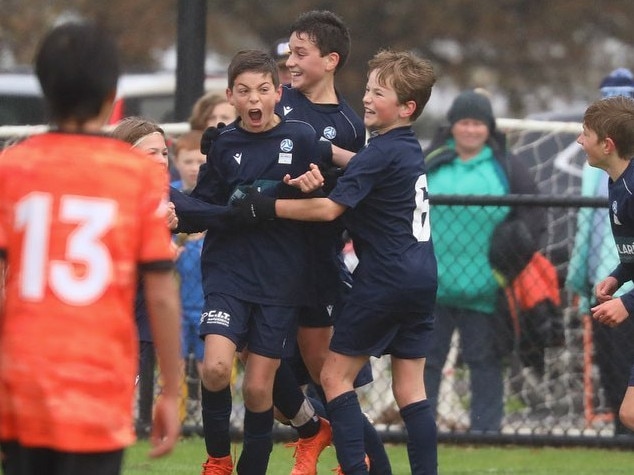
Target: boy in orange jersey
(79, 214)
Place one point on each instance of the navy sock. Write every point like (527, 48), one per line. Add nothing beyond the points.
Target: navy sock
(258, 442)
(346, 420)
(422, 442)
(289, 399)
(287, 396)
(216, 411)
(375, 450)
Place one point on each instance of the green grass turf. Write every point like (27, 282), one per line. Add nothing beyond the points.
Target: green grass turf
(453, 460)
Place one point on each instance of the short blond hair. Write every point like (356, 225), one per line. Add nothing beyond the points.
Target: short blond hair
(411, 77)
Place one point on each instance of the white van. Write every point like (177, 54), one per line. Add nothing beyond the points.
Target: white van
(148, 95)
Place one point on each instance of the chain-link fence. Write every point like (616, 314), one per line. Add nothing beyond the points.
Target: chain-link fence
(568, 397)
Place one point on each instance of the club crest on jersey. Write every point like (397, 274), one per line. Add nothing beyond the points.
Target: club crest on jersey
(615, 217)
(330, 132)
(285, 157)
(286, 145)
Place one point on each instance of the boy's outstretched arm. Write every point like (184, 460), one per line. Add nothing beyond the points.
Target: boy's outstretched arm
(255, 207)
(196, 215)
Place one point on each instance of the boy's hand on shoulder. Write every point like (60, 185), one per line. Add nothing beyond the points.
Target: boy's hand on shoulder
(254, 207)
(209, 136)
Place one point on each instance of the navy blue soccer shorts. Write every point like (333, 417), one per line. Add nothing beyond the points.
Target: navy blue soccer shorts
(316, 316)
(263, 328)
(631, 382)
(375, 332)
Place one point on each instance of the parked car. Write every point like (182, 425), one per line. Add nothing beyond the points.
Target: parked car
(149, 95)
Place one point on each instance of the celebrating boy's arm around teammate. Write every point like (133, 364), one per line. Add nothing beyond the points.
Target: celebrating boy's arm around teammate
(384, 197)
(318, 48)
(608, 140)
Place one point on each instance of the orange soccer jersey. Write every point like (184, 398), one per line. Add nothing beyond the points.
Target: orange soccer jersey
(78, 213)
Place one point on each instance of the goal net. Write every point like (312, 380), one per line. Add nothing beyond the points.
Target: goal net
(556, 161)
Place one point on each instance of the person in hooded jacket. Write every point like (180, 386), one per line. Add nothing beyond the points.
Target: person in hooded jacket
(470, 157)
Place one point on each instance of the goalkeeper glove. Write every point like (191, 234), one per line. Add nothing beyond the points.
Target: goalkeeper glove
(254, 207)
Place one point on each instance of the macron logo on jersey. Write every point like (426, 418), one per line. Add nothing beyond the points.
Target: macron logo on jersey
(237, 157)
(287, 110)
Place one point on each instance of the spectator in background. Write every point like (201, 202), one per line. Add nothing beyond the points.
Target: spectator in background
(211, 109)
(593, 257)
(470, 157)
(187, 160)
(281, 51)
(147, 137)
(91, 209)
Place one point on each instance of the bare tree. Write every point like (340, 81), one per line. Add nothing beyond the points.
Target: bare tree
(528, 50)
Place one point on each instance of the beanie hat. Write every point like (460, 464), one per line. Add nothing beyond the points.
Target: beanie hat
(619, 82)
(472, 105)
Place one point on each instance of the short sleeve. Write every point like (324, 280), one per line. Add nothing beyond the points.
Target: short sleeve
(155, 244)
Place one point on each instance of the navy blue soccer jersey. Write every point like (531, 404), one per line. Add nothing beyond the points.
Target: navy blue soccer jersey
(340, 125)
(262, 264)
(337, 123)
(385, 189)
(622, 222)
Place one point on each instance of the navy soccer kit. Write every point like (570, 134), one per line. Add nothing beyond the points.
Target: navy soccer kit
(262, 265)
(622, 223)
(390, 308)
(340, 125)
(337, 123)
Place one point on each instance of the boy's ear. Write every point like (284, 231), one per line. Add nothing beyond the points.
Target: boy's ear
(229, 94)
(112, 95)
(107, 106)
(609, 146)
(278, 93)
(407, 109)
(332, 61)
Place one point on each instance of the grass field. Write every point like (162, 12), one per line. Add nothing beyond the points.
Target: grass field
(453, 460)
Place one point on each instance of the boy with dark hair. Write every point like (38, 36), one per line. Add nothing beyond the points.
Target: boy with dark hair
(608, 140)
(252, 278)
(383, 194)
(79, 214)
(319, 46)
